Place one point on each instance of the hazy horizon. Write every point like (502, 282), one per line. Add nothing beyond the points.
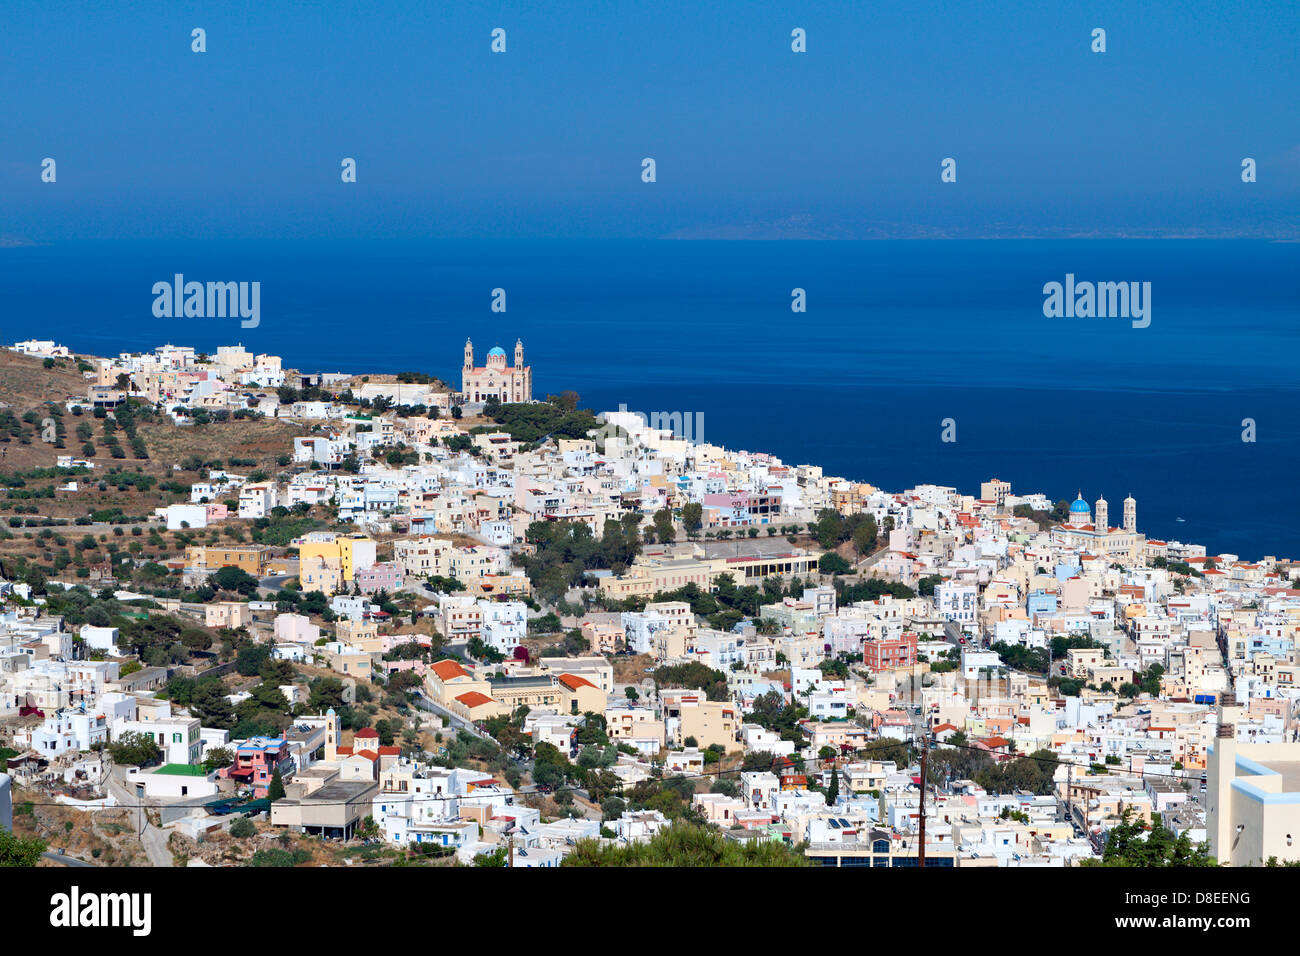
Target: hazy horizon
(751, 140)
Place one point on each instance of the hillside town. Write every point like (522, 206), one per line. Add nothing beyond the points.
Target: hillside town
(336, 615)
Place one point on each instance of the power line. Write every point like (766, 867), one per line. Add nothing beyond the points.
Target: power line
(663, 781)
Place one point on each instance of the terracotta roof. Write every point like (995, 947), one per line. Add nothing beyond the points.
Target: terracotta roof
(573, 681)
(448, 669)
(366, 732)
(474, 699)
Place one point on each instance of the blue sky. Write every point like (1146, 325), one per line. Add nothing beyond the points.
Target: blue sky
(546, 140)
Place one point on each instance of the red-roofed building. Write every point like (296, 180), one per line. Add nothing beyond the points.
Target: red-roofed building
(945, 730)
(475, 706)
(582, 695)
(366, 757)
(888, 653)
(448, 670)
(998, 746)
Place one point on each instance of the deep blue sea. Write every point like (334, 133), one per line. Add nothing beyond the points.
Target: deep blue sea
(897, 337)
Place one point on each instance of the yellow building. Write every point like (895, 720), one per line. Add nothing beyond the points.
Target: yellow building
(625, 722)
(1253, 795)
(353, 552)
(564, 694)
(353, 663)
(709, 722)
(446, 679)
(360, 635)
(319, 573)
(251, 558)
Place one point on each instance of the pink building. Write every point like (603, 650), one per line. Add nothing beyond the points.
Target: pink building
(495, 379)
(379, 577)
(256, 761)
(886, 653)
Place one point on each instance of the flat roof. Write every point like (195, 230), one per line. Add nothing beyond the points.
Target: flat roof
(316, 773)
(1289, 770)
(181, 770)
(508, 682)
(773, 547)
(341, 791)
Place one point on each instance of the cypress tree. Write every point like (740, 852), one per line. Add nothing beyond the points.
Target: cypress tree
(276, 790)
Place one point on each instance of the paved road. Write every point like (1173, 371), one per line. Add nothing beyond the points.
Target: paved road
(66, 860)
(416, 586)
(153, 839)
(871, 560)
(424, 703)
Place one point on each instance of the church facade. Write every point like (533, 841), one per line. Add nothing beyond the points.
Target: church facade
(496, 379)
(1098, 537)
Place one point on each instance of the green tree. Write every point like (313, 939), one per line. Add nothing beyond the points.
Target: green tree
(231, 578)
(865, 535)
(496, 858)
(686, 844)
(135, 749)
(250, 658)
(548, 775)
(829, 528)
(696, 676)
(1133, 843)
(326, 693)
(692, 518)
(926, 585)
(15, 851)
(276, 790)
(832, 563)
(218, 757)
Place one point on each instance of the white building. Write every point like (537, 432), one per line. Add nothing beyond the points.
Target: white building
(257, 500)
(185, 516)
(957, 601)
(101, 639)
(504, 624)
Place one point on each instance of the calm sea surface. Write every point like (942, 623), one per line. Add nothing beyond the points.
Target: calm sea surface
(897, 337)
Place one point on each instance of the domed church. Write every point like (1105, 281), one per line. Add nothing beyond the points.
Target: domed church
(496, 379)
(1097, 536)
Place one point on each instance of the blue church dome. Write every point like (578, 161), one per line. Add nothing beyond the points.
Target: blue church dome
(1079, 506)
(497, 350)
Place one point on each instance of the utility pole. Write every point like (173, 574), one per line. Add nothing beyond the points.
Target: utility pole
(1069, 811)
(925, 753)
